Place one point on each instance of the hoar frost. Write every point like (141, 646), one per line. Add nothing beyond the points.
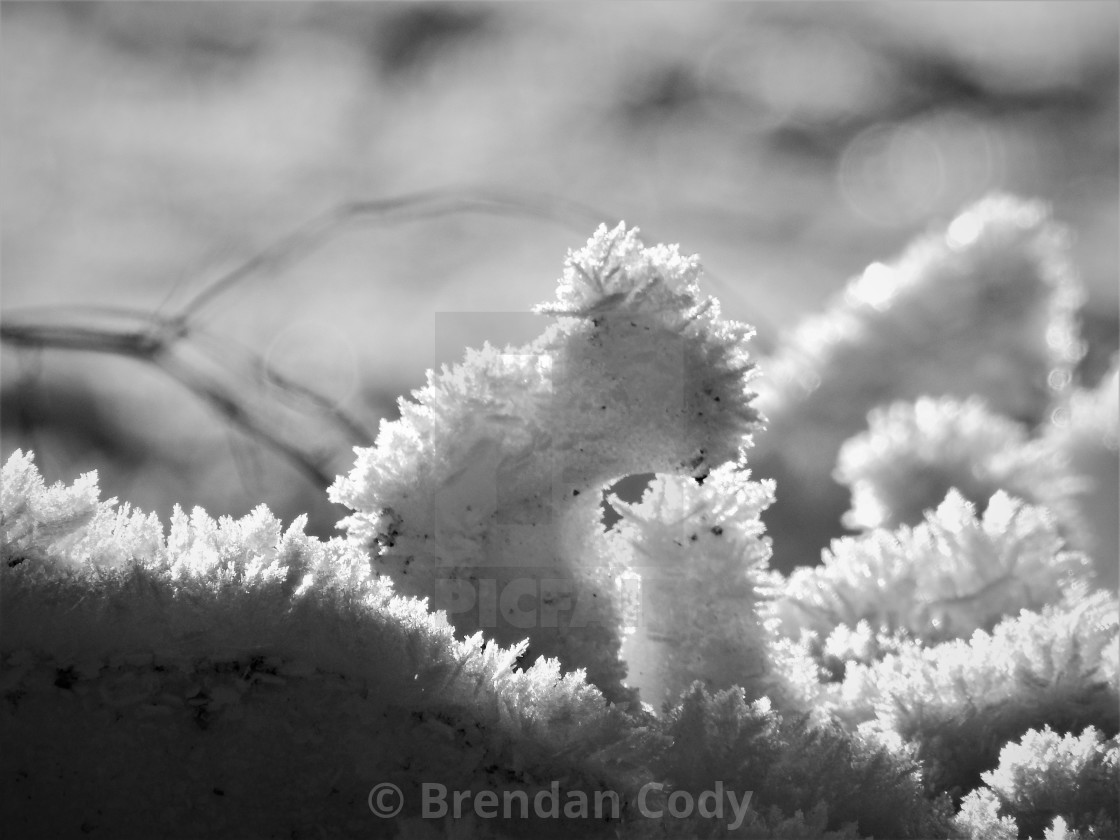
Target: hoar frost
(851, 697)
(489, 485)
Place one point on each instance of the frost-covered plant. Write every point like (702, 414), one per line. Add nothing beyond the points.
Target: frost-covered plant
(69, 524)
(961, 701)
(846, 644)
(493, 474)
(792, 766)
(952, 574)
(985, 307)
(239, 658)
(229, 621)
(913, 453)
(700, 558)
(1046, 784)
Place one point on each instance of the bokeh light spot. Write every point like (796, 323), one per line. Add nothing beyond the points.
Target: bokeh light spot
(892, 174)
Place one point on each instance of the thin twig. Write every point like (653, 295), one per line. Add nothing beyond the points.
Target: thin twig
(159, 340)
(399, 209)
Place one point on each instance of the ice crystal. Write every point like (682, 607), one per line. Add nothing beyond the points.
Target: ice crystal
(792, 766)
(1049, 784)
(68, 524)
(944, 578)
(961, 701)
(979, 819)
(914, 453)
(701, 557)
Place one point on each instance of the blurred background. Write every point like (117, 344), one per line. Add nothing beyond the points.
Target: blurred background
(153, 150)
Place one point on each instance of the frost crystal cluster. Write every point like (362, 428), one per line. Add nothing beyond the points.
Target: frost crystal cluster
(253, 661)
(1051, 785)
(701, 565)
(914, 453)
(960, 701)
(985, 307)
(951, 575)
(489, 485)
(951, 669)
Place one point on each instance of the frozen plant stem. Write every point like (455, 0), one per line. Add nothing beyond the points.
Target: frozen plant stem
(699, 553)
